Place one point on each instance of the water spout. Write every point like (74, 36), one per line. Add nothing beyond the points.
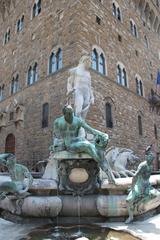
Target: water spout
(79, 234)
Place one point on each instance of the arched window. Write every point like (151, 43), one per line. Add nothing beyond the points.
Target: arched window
(133, 28)
(59, 59)
(102, 64)
(155, 131)
(139, 86)
(118, 14)
(119, 74)
(45, 115)
(39, 6)
(5, 38)
(10, 144)
(35, 72)
(55, 61)
(9, 33)
(1, 92)
(116, 11)
(94, 60)
(109, 121)
(22, 23)
(30, 76)
(52, 63)
(124, 77)
(34, 10)
(15, 85)
(18, 25)
(140, 130)
(98, 61)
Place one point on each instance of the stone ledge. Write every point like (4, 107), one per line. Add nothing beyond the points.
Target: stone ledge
(125, 183)
(38, 184)
(43, 184)
(69, 155)
(51, 184)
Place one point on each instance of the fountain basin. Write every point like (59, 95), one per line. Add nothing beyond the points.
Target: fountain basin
(67, 206)
(46, 201)
(80, 232)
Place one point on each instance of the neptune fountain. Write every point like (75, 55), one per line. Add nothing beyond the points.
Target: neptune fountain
(72, 188)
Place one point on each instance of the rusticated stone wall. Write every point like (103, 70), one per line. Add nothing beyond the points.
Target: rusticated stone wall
(72, 26)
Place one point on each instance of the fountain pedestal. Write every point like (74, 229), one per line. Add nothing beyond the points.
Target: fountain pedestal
(77, 174)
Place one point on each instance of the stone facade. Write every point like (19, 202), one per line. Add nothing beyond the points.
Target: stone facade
(77, 27)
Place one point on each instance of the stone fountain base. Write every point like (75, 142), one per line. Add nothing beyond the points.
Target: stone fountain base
(71, 188)
(47, 203)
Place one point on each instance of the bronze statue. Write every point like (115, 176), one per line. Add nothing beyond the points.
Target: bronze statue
(66, 130)
(19, 174)
(141, 189)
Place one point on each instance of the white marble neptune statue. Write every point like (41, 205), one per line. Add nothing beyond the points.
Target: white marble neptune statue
(79, 87)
